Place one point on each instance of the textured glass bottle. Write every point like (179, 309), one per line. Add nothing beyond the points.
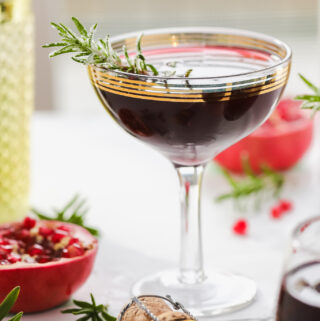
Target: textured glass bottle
(16, 103)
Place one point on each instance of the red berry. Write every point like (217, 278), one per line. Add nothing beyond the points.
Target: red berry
(276, 212)
(36, 249)
(285, 205)
(240, 227)
(29, 223)
(45, 231)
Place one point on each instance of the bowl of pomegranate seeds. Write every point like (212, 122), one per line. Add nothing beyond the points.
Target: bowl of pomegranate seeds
(49, 260)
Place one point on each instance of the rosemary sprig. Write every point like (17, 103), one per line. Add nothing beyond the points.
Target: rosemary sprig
(7, 304)
(90, 311)
(310, 101)
(87, 50)
(73, 212)
(252, 184)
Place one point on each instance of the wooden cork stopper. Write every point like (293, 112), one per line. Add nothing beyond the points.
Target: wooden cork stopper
(173, 316)
(155, 305)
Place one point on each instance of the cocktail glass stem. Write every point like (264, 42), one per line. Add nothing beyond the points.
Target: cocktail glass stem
(191, 257)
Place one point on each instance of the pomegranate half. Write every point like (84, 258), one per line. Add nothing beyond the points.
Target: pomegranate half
(279, 143)
(49, 260)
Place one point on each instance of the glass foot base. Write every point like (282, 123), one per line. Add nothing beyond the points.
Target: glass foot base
(218, 294)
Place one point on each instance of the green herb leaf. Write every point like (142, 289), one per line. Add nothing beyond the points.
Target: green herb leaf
(17, 317)
(87, 51)
(252, 184)
(99, 51)
(73, 212)
(90, 311)
(311, 102)
(7, 304)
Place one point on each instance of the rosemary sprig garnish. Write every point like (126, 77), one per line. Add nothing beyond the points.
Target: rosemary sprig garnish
(7, 304)
(73, 212)
(310, 101)
(87, 50)
(252, 184)
(90, 311)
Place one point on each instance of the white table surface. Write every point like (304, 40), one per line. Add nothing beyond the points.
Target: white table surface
(133, 195)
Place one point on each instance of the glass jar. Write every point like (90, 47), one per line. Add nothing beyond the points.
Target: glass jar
(16, 104)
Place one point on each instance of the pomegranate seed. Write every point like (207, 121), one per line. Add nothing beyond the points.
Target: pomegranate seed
(285, 205)
(276, 212)
(3, 255)
(75, 250)
(29, 223)
(14, 258)
(4, 241)
(44, 259)
(240, 227)
(58, 236)
(45, 231)
(73, 240)
(6, 248)
(63, 228)
(36, 249)
(23, 235)
(65, 253)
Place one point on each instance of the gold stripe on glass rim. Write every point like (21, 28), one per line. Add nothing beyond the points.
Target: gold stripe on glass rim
(228, 92)
(189, 93)
(224, 98)
(125, 82)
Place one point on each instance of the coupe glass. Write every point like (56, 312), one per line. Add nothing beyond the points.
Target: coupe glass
(236, 80)
(300, 290)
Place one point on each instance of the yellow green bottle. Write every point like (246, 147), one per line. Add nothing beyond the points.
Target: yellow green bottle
(16, 105)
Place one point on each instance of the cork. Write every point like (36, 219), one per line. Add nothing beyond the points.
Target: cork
(155, 305)
(173, 316)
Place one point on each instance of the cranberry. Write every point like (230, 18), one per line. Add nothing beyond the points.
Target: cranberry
(36, 249)
(276, 212)
(240, 227)
(29, 223)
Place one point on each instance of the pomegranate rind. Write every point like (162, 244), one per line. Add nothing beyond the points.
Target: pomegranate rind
(47, 285)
